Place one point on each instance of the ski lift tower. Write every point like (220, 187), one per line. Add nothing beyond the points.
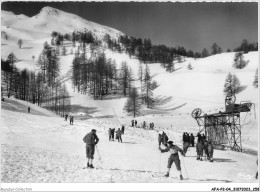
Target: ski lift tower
(223, 128)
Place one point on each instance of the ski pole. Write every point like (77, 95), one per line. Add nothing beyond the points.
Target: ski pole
(160, 163)
(184, 166)
(98, 154)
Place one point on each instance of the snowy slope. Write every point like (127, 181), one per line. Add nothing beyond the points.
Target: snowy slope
(38, 148)
(42, 147)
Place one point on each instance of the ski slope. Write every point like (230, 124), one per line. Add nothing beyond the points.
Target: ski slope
(42, 147)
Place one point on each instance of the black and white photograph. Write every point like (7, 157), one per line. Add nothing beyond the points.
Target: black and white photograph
(147, 93)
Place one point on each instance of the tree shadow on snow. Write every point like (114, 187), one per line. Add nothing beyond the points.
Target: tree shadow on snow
(26, 47)
(82, 109)
(221, 160)
(250, 152)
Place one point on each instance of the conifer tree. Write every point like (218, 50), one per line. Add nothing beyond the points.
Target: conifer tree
(239, 62)
(133, 103)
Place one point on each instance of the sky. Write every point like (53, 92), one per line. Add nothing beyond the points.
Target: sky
(192, 25)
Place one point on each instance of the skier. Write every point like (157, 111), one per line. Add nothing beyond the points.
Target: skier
(186, 143)
(164, 139)
(199, 149)
(160, 138)
(174, 157)
(66, 117)
(113, 134)
(8, 95)
(123, 129)
(199, 137)
(203, 137)
(144, 125)
(91, 139)
(29, 109)
(135, 123)
(71, 119)
(210, 151)
(110, 134)
(118, 135)
(192, 140)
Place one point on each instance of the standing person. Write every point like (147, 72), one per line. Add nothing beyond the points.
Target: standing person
(135, 123)
(192, 138)
(164, 139)
(118, 135)
(199, 137)
(113, 134)
(203, 137)
(71, 119)
(8, 95)
(123, 129)
(29, 109)
(160, 138)
(91, 139)
(199, 149)
(210, 150)
(186, 143)
(66, 117)
(110, 134)
(183, 137)
(144, 125)
(174, 157)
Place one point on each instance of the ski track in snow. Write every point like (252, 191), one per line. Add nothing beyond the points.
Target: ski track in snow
(42, 147)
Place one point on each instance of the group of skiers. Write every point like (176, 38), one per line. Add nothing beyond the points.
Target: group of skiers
(144, 125)
(134, 123)
(204, 146)
(119, 133)
(188, 140)
(71, 118)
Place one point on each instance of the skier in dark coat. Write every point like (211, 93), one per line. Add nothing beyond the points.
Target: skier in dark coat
(118, 135)
(66, 117)
(91, 139)
(135, 123)
(29, 109)
(164, 139)
(71, 119)
(192, 138)
(199, 149)
(160, 138)
(199, 137)
(203, 137)
(186, 143)
(123, 129)
(113, 134)
(174, 157)
(110, 134)
(209, 150)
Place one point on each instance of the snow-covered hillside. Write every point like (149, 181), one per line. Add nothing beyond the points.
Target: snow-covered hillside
(45, 148)
(42, 147)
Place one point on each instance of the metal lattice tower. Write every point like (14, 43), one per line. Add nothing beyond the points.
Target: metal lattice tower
(223, 128)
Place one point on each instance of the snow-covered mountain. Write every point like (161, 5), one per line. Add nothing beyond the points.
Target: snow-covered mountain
(42, 147)
(50, 19)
